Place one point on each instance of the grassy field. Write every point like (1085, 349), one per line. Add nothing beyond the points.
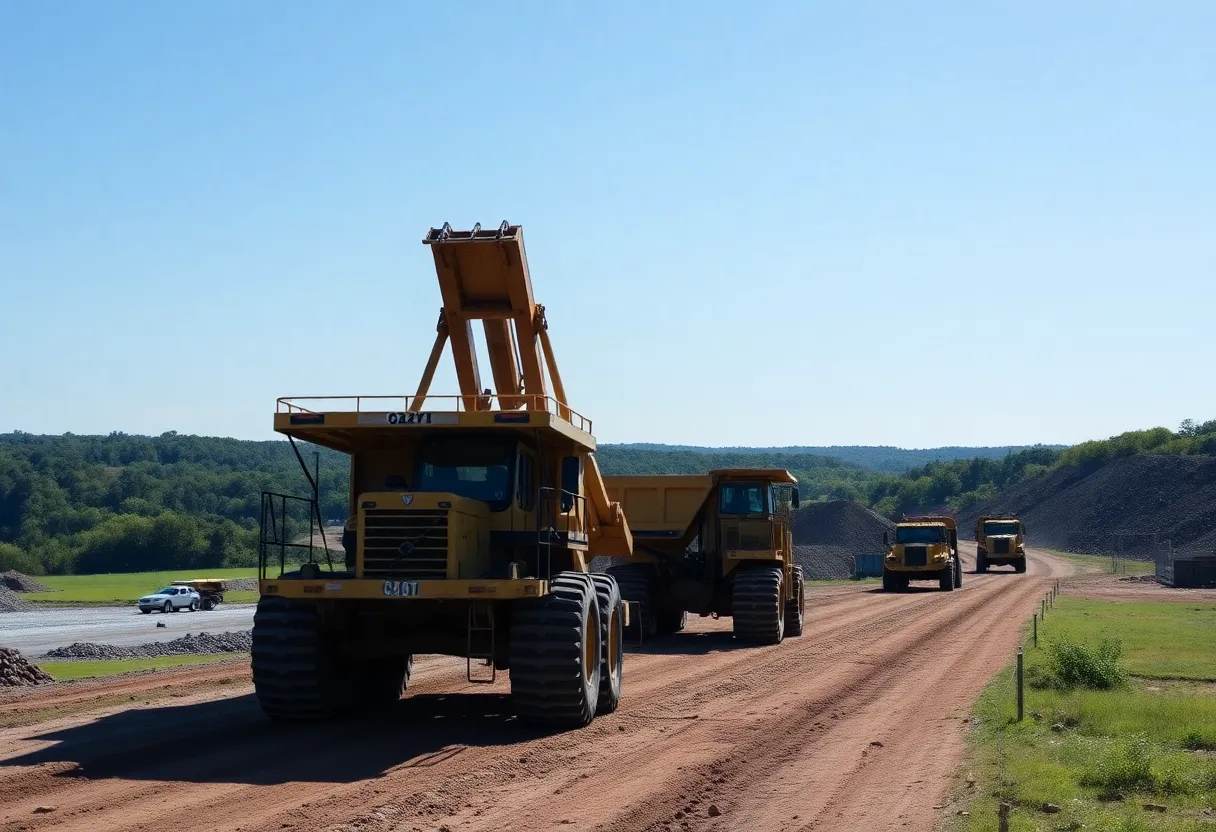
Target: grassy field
(1116, 739)
(126, 588)
(62, 671)
(1102, 563)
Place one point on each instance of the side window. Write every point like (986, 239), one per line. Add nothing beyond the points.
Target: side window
(527, 481)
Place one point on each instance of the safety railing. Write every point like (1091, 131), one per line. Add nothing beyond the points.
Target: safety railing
(561, 519)
(445, 403)
(281, 524)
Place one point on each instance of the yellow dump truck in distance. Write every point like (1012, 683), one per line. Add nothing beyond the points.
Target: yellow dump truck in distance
(715, 544)
(1000, 540)
(473, 518)
(925, 548)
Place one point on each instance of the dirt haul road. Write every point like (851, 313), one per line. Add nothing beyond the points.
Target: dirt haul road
(858, 724)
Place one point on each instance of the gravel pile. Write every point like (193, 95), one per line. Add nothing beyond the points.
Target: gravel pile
(187, 645)
(11, 601)
(1100, 509)
(242, 585)
(828, 535)
(16, 670)
(18, 582)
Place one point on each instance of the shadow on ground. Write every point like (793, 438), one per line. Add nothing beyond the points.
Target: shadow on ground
(230, 741)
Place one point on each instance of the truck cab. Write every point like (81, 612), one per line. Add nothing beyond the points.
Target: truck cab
(924, 548)
(1000, 540)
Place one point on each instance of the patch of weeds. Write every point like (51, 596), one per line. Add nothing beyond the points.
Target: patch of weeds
(1127, 767)
(1072, 665)
(1200, 740)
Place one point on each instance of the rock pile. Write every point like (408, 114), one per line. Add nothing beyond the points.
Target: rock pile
(242, 585)
(16, 670)
(18, 582)
(11, 601)
(187, 645)
(828, 535)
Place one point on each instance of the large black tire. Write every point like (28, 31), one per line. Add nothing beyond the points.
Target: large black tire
(981, 563)
(757, 606)
(1020, 566)
(795, 608)
(637, 582)
(958, 572)
(295, 673)
(612, 642)
(556, 655)
(890, 582)
(669, 621)
(946, 579)
(379, 683)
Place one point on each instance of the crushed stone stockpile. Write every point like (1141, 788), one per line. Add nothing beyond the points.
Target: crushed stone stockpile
(242, 585)
(187, 645)
(1117, 506)
(11, 602)
(18, 582)
(828, 535)
(17, 671)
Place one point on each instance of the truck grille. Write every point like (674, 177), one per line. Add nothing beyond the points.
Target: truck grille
(405, 544)
(916, 555)
(755, 536)
(1000, 546)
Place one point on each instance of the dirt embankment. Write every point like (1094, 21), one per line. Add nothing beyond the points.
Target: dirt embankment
(1115, 507)
(829, 731)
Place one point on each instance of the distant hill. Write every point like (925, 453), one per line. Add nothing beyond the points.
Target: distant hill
(884, 458)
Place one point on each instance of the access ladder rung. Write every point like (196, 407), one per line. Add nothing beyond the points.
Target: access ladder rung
(481, 625)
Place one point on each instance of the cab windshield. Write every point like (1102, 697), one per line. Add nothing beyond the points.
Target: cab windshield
(1000, 528)
(920, 534)
(744, 499)
(480, 468)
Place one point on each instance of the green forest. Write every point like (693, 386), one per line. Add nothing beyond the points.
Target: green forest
(120, 503)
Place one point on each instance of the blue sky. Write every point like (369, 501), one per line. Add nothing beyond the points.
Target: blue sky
(761, 224)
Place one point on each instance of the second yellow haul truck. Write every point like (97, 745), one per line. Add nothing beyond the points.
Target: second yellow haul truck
(717, 544)
(473, 520)
(925, 549)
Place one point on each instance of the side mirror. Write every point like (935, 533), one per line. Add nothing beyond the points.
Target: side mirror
(886, 539)
(795, 498)
(572, 469)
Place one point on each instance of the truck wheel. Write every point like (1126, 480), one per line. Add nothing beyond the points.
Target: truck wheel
(890, 582)
(168, 608)
(958, 572)
(636, 582)
(209, 604)
(295, 673)
(556, 656)
(757, 606)
(981, 563)
(612, 642)
(795, 609)
(1020, 566)
(670, 621)
(380, 682)
(946, 580)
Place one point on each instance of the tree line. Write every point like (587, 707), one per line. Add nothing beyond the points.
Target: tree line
(121, 503)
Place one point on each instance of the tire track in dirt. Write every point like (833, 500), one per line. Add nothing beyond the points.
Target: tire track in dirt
(702, 722)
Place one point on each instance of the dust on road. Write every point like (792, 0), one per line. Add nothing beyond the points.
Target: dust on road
(858, 724)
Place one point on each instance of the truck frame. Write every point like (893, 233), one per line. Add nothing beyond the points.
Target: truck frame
(1000, 540)
(473, 518)
(719, 544)
(925, 548)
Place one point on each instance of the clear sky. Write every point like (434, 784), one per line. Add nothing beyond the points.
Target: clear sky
(752, 223)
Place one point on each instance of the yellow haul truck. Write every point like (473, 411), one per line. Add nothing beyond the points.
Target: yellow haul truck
(473, 520)
(925, 548)
(719, 544)
(1000, 540)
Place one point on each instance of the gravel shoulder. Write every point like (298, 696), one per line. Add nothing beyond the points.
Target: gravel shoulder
(828, 731)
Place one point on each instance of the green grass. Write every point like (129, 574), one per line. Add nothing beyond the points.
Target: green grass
(1101, 754)
(125, 588)
(1102, 563)
(841, 581)
(62, 671)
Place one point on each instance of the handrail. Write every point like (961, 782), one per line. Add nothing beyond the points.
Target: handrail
(401, 403)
